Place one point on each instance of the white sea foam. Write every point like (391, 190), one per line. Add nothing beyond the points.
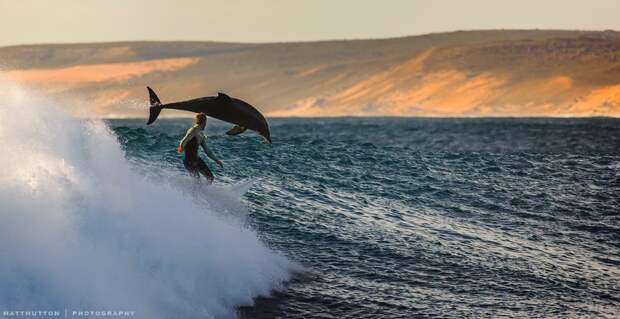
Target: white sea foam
(81, 229)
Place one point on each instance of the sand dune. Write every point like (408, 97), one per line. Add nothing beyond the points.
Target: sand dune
(474, 73)
(109, 72)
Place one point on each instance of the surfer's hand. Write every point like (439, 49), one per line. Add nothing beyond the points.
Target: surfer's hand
(220, 163)
(180, 149)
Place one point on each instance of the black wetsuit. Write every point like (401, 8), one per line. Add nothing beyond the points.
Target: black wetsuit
(194, 164)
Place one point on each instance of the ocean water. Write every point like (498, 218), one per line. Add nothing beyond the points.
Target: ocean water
(339, 218)
(420, 218)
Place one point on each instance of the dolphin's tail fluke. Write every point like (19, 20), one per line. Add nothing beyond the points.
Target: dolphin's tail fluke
(155, 106)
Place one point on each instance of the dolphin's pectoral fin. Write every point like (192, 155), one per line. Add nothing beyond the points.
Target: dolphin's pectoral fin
(237, 129)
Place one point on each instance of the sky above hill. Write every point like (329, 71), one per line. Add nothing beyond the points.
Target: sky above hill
(34, 21)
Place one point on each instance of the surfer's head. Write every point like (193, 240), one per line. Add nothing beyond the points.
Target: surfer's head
(201, 119)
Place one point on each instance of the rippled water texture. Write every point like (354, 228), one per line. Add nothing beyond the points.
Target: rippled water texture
(401, 218)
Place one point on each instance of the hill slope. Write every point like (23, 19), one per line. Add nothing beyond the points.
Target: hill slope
(472, 73)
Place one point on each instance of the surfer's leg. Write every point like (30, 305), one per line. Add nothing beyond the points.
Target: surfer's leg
(204, 170)
(192, 169)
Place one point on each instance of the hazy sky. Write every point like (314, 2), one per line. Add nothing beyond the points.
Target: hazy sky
(51, 21)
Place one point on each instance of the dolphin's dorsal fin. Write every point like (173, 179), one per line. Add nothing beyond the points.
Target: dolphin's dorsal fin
(223, 96)
(237, 129)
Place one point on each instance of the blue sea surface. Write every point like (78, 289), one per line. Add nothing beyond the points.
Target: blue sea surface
(424, 218)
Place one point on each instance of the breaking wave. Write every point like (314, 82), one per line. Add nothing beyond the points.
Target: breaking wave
(83, 229)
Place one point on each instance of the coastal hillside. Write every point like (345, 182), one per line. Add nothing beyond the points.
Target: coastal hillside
(463, 73)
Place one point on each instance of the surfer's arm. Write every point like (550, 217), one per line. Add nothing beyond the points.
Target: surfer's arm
(208, 150)
(210, 153)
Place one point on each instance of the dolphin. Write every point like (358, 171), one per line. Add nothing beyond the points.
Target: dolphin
(221, 107)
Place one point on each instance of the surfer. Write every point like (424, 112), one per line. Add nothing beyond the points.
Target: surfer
(189, 144)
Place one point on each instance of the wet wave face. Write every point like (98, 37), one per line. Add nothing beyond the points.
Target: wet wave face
(84, 229)
(430, 218)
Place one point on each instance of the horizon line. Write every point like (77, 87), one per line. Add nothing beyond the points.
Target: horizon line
(307, 41)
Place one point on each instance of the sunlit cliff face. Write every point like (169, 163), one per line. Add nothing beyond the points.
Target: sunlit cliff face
(100, 73)
(574, 76)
